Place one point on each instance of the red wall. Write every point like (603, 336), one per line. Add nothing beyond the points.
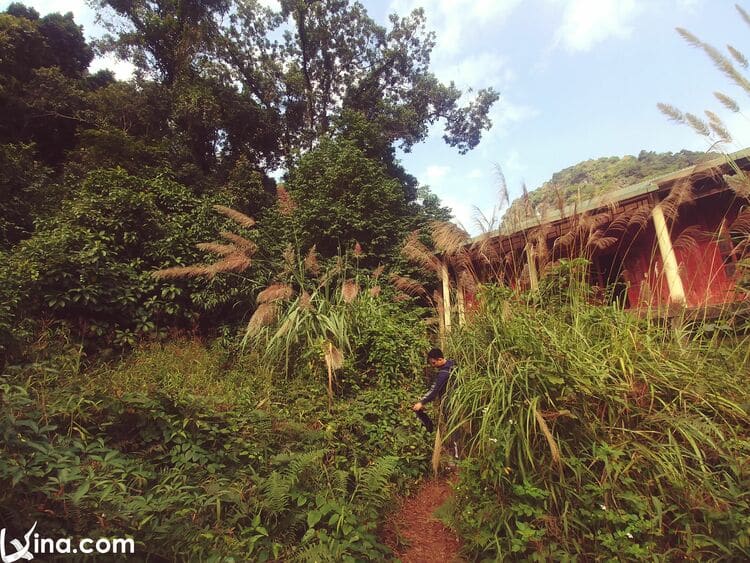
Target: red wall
(701, 264)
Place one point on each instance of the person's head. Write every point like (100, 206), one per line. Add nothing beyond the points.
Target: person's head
(435, 357)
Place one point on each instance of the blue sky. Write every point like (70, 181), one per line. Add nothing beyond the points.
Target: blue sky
(578, 79)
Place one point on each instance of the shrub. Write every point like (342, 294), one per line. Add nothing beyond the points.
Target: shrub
(599, 435)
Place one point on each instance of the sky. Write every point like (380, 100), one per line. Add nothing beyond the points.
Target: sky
(578, 79)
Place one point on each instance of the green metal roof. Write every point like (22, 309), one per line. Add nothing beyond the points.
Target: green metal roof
(622, 194)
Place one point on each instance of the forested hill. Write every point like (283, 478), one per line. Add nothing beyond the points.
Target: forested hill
(594, 177)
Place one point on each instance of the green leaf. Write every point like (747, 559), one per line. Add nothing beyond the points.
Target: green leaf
(81, 491)
(313, 517)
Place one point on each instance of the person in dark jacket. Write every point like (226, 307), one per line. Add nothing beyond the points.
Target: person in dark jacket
(437, 391)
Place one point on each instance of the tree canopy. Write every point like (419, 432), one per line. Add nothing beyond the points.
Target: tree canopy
(225, 95)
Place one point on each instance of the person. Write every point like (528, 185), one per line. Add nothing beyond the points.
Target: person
(445, 367)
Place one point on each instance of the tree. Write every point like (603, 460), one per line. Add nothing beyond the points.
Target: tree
(335, 58)
(342, 197)
(41, 71)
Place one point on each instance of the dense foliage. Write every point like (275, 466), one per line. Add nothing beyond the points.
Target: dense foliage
(595, 434)
(104, 181)
(184, 434)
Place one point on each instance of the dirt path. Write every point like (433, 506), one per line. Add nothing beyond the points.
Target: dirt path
(415, 534)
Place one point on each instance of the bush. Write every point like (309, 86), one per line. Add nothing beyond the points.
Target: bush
(91, 263)
(599, 435)
(262, 476)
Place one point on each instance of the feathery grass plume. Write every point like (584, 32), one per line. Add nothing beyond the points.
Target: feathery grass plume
(290, 258)
(182, 272)
(738, 56)
(377, 272)
(311, 261)
(698, 125)
(640, 216)
(263, 316)
(448, 237)
(620, 224)
(743, 13)
(305, 301)
(349, 291)
(689, 37)
(671, 112)
(401, 296)
(727, 102)
(415, 251)
(275, 292)
(240, 218)
(375, 291)
(237, 263)
(528, 209)
(689, 238)
(220, 249)
(720, 61)
(485, 248)
(483, 223)
(742, 223)
(334, 358)
(718, 127)
(245, 245)
(540, 244)
(564, 241)
(502, 187)
(739, 184)
(598, 241)
(680, 194)
(285, 201)
(408, 285)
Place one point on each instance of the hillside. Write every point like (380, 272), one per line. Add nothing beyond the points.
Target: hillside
(594, 177)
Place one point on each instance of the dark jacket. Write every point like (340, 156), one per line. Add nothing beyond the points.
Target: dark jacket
(441, 382)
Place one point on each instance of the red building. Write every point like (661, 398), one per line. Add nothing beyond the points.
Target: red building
(670, 240)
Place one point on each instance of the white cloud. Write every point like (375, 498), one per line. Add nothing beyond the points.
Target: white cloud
(477, 70)
(435, 173)
(588, 22)
(455, 21)
(475, 173)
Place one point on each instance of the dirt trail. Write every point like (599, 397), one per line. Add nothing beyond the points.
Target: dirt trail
(415, 534)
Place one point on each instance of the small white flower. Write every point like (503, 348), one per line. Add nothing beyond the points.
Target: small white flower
(511, 421)
(603, 506)
(485, 409)
(630, 535)
(493, 440)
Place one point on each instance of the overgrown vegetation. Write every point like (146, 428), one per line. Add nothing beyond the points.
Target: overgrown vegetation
(179, 433)
(597, 434)
(222, 390)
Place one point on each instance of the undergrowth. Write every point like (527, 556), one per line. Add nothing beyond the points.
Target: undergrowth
(182, 448)
(598, 435)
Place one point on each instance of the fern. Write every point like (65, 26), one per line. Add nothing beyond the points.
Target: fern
(276, 488)
(299, 463)
(373, 482)
(320, 553)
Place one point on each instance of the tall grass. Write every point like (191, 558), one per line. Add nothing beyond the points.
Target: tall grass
(598, 434)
